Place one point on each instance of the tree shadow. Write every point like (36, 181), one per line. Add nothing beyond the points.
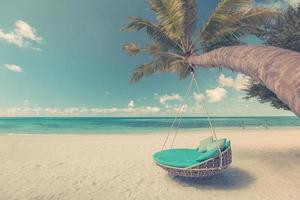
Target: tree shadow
(232, 178)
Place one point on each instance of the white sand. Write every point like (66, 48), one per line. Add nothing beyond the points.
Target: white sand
(266, 165)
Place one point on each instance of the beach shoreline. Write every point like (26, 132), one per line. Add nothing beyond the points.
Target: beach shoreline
(266, 165)
(163, 132)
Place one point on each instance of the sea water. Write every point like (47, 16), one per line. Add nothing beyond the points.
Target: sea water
(110, 125)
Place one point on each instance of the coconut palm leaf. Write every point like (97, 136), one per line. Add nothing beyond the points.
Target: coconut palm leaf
(283, 33)
(181, 68)
(157, 50)
(153, 31)
(264, 95)
(145, 70)
(233, 19)
(190, 17)
(219, 28)
(170, 15)
(160, 65)
(131, 48)
(154, 49)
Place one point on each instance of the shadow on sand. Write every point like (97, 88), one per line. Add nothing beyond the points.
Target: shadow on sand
(232, 178)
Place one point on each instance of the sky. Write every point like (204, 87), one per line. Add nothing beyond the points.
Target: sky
(64, 58)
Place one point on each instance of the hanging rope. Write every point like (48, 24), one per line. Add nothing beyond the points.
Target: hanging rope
(180, 118)
(205, 109)
(203, 105)
(209, 120)
(178, 113)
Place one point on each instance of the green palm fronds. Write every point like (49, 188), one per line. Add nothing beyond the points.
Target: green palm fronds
(160, 65)
(264, 95)
(282, 33)
(148, 69)
(155, 66)
(131, 48)
(158, 50)
(154, 31)
(233, 19)
(172, 35)
(190, 19)
(170, 15)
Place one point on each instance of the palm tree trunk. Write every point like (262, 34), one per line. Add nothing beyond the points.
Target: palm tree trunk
(276, 68)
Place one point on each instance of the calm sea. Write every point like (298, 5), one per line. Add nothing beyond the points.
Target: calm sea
(99, 125)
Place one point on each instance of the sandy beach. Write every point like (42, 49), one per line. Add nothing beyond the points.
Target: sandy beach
(266, 165)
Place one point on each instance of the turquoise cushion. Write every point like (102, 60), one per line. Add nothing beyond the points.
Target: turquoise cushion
(223, 140)
(216, 144)
(207, 155)
(226, 145)
(185, 157)
(177, 157)
(203, 144)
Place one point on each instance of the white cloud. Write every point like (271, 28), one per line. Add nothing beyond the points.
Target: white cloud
(198, 97)
(197, 107)
(183, 108)
(131, 104)
(216, 95)
(22, 36)
(13, 68)
(239, 83)
(165, 98)
(11, 37)
(225, 81)
(26, 31)
(27, 110)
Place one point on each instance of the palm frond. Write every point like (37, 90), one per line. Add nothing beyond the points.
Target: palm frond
(157, 50)
(264, 95)
(233, 19)
(170, 15)
(181, 68)
(131, 48)
(153, 31)
(281, 33)
(222, 15)
(190, 17)
(154, 49)
(285, 32)
(227, 41)
(160, 65)
(258, 15)
(251, 20)
(145, 70)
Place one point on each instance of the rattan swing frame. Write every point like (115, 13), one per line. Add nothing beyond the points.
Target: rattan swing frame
(205, 168)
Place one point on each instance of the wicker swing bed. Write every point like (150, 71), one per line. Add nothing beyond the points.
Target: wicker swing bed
(190, 162)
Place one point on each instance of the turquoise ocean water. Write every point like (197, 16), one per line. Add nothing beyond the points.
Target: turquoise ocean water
(99, 125)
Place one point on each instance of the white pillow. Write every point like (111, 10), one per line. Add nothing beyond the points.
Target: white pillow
(203, 144)
(215, 144)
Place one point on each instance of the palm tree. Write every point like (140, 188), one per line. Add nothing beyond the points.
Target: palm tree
(171, 36)
(276, 68)
(174, 49)
(284, 33)
(233, 19)
(174, 34)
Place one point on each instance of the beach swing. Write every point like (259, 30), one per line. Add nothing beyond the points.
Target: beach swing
(211, 156)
